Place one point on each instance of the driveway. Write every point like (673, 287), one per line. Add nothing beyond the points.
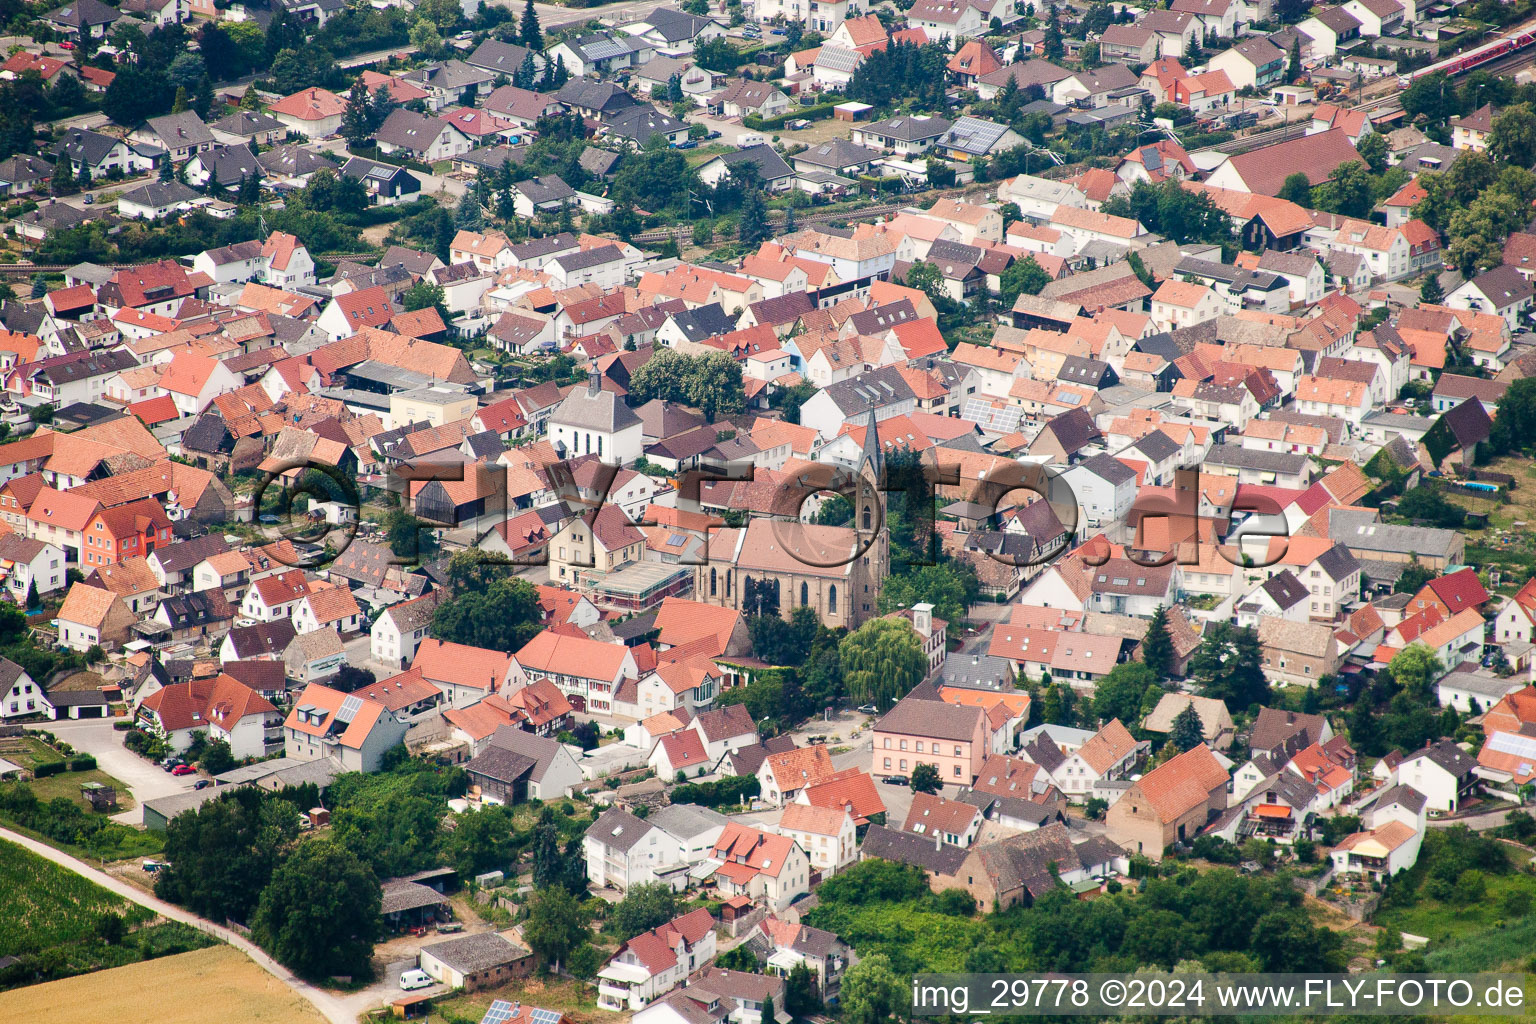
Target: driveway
(145, 780)
(328, 1005)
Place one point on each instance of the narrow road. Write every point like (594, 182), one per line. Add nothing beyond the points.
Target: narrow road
(328, 1005)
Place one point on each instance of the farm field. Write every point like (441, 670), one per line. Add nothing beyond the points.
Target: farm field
(60, 924)
(219, 983)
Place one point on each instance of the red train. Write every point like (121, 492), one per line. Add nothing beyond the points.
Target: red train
(1475, 57)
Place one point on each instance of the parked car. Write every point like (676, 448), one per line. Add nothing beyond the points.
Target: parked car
(202, 783)
(415, 979)
(895, 780)
(868, 709)
(171, 763)
(183, 769)
(90, 200)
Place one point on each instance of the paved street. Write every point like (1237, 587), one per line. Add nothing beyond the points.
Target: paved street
(145, 781)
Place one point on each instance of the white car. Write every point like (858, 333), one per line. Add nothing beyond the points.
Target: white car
(415, 979)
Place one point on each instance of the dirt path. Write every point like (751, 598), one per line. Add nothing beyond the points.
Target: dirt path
(333, 1009)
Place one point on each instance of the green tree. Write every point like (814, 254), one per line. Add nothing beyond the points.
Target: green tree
(800, 996)
(221, 855)
(319, 916)
(63, 181)
(1022, 277)
(1157, 645)
(217, 759)
(925, 778)
(425, 295)
(643, 907)
(407, 536)
(1118, 694)
(1415, 574)
(926, 278)
(1297, 188)
(1415, 667)
(1293, 69)
(502, 616)
(1513, 139)
(1187, 732)
(675, 89)
(1430, 292)
(752, 227)
(356, 124)
(713, 383)
(557, 923)
(482, 841)
(1054, 48)
(529, 33)
(942, 586)
(1228, 665)
(1372, 148)
(872, 992)
(1348, 193)
(425, 37)
(881, 661)
(1364, 728)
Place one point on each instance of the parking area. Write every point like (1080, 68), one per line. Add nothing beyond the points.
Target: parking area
(145, 780)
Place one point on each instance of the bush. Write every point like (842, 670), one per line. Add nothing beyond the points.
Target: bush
(48, 768)
(82, 763)
(817, 113)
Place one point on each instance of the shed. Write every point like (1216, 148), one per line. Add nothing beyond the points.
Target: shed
(852, 111)
(476, 961)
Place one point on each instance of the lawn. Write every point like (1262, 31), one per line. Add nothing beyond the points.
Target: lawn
(219, 983)
(29, 751)
(1461, 919)
(68, 784)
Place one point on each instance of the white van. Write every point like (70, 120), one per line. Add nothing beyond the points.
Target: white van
(415, 979)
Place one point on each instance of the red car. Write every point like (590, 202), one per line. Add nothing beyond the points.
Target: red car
(66, 45)
(183, 769)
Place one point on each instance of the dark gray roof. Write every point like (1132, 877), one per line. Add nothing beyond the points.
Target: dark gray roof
(1278, 730)
(906, 848)
(883, 317)
(470, 954)
(1156, 446)
(703, 322)
(1043, 751)
(159, 194)
(539, 749)
(229, 164)
(293, 161)
(181, 130)
(196, 610)
(875, 389)
(908, 128)
(1284, 589)
(247, 122)
(977, 672)
(451, 75)
(1109, 468)
(1239, 457)
(770, 165)
(1402, 794)
(501, 764)
(84, 12)
(1447, 755)
(604, 97)
(409, 130)
(1338, 562)
(641, 124)
(550, 188)
(836, 154)
(264, 638)
(502, 58)
(617, 828)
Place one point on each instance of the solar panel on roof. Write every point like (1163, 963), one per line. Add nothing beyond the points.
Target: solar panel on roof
(546, 1017)
(349, 709)
(499, 1013)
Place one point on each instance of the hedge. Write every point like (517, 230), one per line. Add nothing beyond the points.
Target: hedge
(47, 768)
(820, 112)
(82, 763)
